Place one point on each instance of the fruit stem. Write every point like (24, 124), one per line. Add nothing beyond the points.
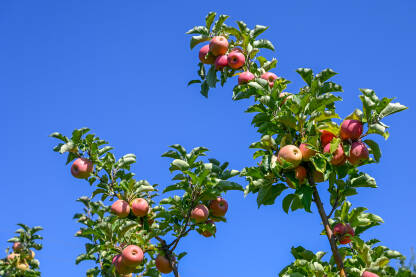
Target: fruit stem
(328, 230)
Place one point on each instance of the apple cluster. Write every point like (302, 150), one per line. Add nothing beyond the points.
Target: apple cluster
(21, 256)
(201, 214)
(344, 232)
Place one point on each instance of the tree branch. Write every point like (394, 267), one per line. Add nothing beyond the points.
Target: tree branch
(334, 207)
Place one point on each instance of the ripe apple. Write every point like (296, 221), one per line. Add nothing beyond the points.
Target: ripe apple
(12, 256)
(318, 177)
(245, 77)
(358, 153)
(120, 266)
(121, 208)
(200, 213)
(218, 207)
(369, 274)
(306, 152)
(339, 229)
(300, 174)
(205, 56)
(291, 154)
(81, 168)
(351, 129)
(23, 266)
(221, 62)
(17, 246)
(338, 157)
(236, 59)
(163, 264)
(207, 233)
(132, 255)
(269, 77)
(326, 137)
(139, 207)
(348, 234)
(218, 45)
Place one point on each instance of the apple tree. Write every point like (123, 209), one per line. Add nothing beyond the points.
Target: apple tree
(20, 258)
(304, 146)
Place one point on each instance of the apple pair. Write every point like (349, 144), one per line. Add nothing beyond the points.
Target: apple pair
(218, 208)
(344, 232)
(247, 76)
(130, 257)
(139, 207)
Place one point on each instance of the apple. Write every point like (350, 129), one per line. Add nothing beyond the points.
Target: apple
(132, 255)
(236, 59)
(348, 234)
(351, 129)
(318, 177)
(218, 207)
(270, 77)
(200, 213)
(12, 256)
(221, 62)
(205, 56)
(163, 264)
(23, 266)
(121, 208)
(306, 152)
(207, 233)
(140, 207)
(339, 229)
(369, 274)
(218, 45)
(120, 266)
(358, 153)
(291, 154)
(338, 157)
(81, 168)
(245, 77)
(300, 174)
(326, 137)
(17, 246)
(30, 255)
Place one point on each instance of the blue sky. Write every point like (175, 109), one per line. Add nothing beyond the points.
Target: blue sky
(121, 68)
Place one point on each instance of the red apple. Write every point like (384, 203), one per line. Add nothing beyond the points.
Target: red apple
(291, 154)
(358, 153)
(17, 246)
(221, 62)
(339, 229)
(121, 208)
(369, 274)
(351, 129)
(163, 264)
(326, 137)
(348, 234)
(218, 207)
(245, 77)
(205, 56)
(200, 213)
(12, 256)
(338, 157)
(132, 255)
(81, 168)
(218, 45)
(269, 77)
(300, 174)
(139, 207)
(236, 59)
(306, 152)
(120, 266)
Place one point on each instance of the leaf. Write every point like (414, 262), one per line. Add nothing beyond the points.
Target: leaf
(364, 180)
(193, 82)
(227, 185)
(179, 165)
(195, 40)
(391, 109)
(232, 31)
(377, 128)
(287, 201)
(306, 197)
(209, 19)
(258, 29)
(268, 194)
(178, 186)
(374, 149)
(204, 89)
(306, 74)
(126, 160)
(263, 43)
(202, 30)
(269, 64)
(59, 136)
(218, 25)
(325, 74)
(212, 77)
(84, 257)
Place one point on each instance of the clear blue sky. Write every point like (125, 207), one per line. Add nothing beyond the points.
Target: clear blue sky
(121, 68)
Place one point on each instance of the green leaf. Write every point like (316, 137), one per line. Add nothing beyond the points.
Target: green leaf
(391, 109)
(209, 19)
(232, 31)
(268, 194)
(364, 180)
(258, 29)
(306, 74)
(178, 186)
(218, 25)
(287, 201)
(204, 89)
(195, 40)
(126, 160)
(84, 257)
(194, 82)
(377, 128)
(59, 136)
(374, 149)
(212, 77)
(179, 165)
(263, 43)
(306, 197)
(325, 75)
(202, 30)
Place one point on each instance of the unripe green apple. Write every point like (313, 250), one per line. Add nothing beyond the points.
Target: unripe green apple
(200, 213)
(269, 77)
(82, 168)
(120, 208)
(218, 45)
(291, 154)
(163, 264)
(351, 129)
(139, 207)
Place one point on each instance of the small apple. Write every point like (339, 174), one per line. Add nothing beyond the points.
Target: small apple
(200, 213)
(17, 246)
(132, 255)
(269, 77)
(13, 256)
(163, 264)
(369, 274)
(218, 45)
(22, 266)
(81, 168)
(221, 62)
(291, 154)
(207, 233)
(218, 207)
(236, 59)
(351, 129)
(30, 255)
(139, 207)
(121, 208)
(326, 137)
(339, 229)
(300, 174)
(348, 234)
(338, 157)
(318, 177)
(358, 153)
(245, 77)
(205, 56)
(306, 152)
